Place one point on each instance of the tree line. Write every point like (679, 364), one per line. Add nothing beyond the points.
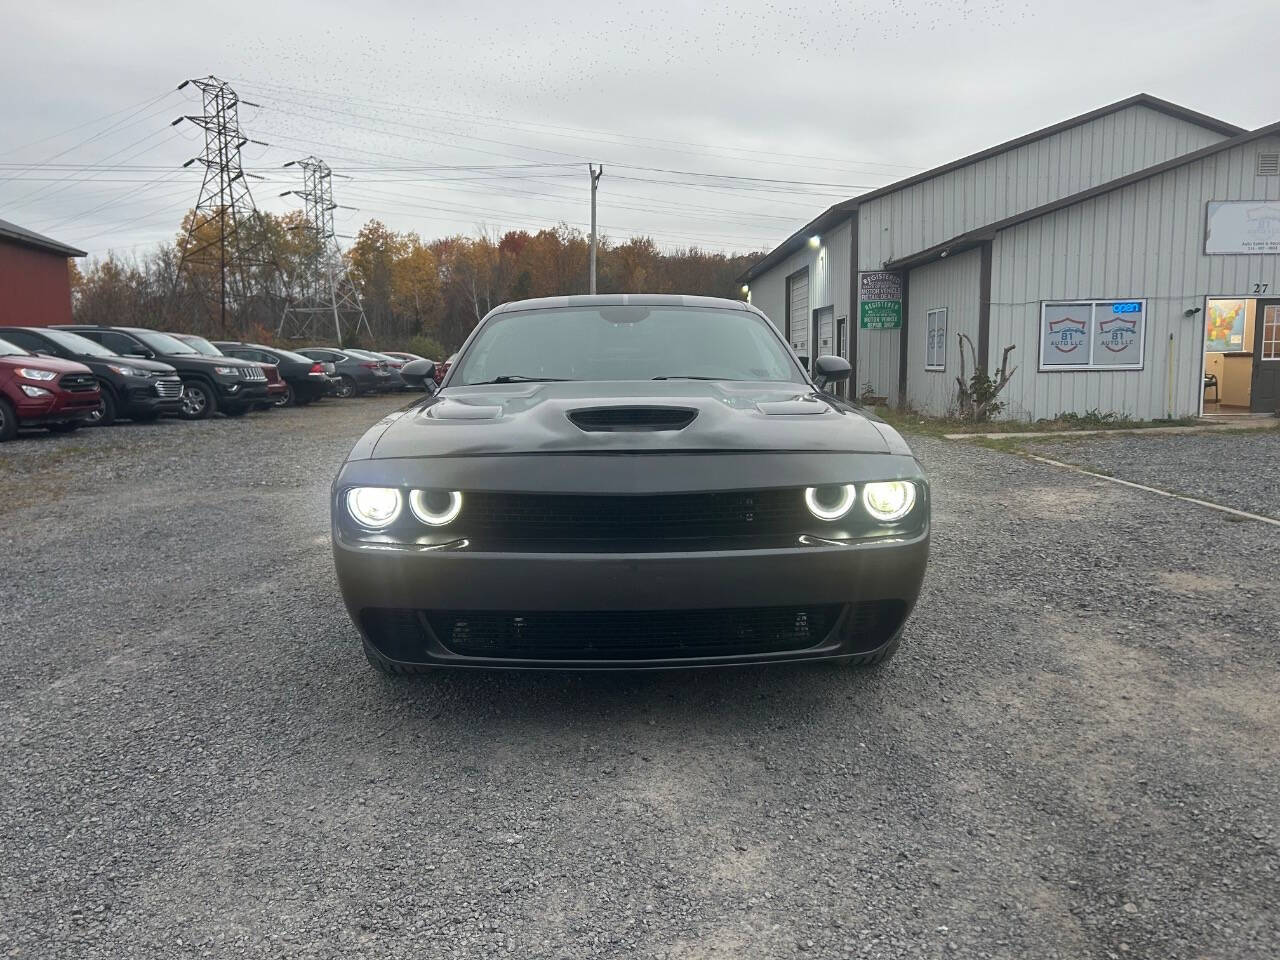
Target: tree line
(420, 295)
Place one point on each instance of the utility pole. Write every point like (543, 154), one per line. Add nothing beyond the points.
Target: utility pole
(244, 261)
(595, 181)
(323, 286)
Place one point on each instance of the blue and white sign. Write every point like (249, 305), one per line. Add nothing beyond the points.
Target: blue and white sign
(1093, 335)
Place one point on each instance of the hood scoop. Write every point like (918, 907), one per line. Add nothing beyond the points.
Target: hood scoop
(623, 419)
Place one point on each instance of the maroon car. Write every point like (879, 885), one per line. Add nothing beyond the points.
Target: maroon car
(43, 392)
(442, 367)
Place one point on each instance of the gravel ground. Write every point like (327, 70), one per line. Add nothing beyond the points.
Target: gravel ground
(1240, 469)
(1075, 755)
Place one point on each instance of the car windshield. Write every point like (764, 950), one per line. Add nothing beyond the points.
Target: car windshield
(163, 343)
(8, 349)
(75, 343)
(203, 346)
(630, 342)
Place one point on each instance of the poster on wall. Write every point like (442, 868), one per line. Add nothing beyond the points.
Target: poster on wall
(1064, 334)
(880, 301)
(1117, 333)
(1242, 227)
(1224, 327)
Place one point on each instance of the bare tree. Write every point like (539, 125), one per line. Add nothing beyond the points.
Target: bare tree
(978, 394)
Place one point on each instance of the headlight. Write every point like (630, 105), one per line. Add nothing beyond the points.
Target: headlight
(830, 502)
(31, 374)
(31, 391)
(889, 500)
(436, 507)
(373, 507)
(227, 371)
(126, 371)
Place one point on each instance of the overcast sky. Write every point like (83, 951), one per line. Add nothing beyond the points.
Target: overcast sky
(681, 102)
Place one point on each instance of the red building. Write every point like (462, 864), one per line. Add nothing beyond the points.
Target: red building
(35, 284)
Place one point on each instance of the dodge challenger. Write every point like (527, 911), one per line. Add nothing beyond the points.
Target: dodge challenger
(629, 482)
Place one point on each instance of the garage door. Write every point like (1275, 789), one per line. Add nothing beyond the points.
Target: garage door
(825, 321)
(798, 313)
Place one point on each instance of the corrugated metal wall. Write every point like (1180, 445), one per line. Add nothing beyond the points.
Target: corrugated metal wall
(1145, 240)
(917, 217)
(950, 283)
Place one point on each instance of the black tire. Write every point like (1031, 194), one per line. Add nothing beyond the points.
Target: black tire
(105, 415)
(235, 411)
(199, 402)
(875, 657)
(389, 667)
(8, 421)
(66, 426)
(286, 399)
(346, 387)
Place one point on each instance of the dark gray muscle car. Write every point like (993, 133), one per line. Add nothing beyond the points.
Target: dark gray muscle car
(629, 481)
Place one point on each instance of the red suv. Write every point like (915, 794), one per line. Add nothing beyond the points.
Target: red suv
(43, 391)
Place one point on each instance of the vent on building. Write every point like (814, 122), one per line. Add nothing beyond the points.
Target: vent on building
(1269, 164)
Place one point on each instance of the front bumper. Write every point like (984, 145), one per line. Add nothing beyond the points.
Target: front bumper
(61, 406)
(241, 393)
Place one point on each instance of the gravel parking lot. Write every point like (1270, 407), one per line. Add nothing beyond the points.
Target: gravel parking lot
(1239, 469)
(1076, 754)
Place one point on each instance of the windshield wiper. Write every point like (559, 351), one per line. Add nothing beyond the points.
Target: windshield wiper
(518, 378)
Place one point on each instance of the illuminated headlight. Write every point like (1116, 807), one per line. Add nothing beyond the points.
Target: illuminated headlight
(31, 374)
(31, 391)
(889, 500)
(830, 502)
(227, 371)
(373, 507)
(436, 507)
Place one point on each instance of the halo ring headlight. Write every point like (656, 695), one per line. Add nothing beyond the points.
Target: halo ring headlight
(830, 502)
(889, 500)
(436, 507)
(373, 507)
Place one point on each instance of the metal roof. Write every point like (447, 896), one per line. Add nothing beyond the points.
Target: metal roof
(28, 238)
(972, 238)
(842, 210)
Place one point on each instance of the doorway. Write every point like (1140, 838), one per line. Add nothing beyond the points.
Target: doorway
(1229, 355)
(1264, 393)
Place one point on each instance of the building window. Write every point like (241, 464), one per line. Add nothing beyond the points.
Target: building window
(1092, 335)
(935, 343)
(1271, 333)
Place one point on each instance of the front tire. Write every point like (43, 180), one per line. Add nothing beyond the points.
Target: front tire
(105, 415)
(198, 401)
(346, 387)
(8, 421)
(288, 398)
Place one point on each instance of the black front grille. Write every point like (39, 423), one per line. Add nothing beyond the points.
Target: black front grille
(527, 516)
(78, 382)
(634, 635)
(619, 419)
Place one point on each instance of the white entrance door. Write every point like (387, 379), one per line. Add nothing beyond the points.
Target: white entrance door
(798, 313)
(824, 322)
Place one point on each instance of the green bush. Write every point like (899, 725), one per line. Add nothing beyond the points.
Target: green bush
(427, 347)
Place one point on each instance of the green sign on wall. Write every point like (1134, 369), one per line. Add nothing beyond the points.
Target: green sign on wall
(880, 301)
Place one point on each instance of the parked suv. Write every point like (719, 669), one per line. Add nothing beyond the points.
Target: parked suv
(356, 375)
(276, 388)
(209, 384)
(132, 388)
(305, 378)
(43, 391)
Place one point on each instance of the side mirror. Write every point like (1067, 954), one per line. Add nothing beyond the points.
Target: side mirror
(141, 353)
(829, 370)
(420, 374)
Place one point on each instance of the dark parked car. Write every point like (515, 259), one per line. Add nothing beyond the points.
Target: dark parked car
(402, 356)
(43, 391)
(277, 390)
(131, 388)
(394, 365)
(442, 367)
(356, 375)
(305, 379)
(579, 494)
(209, 384)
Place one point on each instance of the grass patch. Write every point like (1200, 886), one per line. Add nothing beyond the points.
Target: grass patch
(908, 421)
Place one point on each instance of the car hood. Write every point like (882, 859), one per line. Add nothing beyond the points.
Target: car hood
(56, 364)
(151, 366)
(627, 417)
(200, 360)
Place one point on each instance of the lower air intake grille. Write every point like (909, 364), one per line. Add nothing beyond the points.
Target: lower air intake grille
(635, 635)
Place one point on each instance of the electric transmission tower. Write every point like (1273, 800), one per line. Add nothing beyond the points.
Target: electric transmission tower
(227, 253)
(322, 288)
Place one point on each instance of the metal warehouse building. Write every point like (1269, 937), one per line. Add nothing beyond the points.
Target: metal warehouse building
(1131, 256)
(35, 284)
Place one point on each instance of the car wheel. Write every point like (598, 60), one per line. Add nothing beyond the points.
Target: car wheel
(286, 399)
(198, 401)
(346, 387)
(65, 427)
(882, 655)
(389, 667)
(105, 415)
(8, 421)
